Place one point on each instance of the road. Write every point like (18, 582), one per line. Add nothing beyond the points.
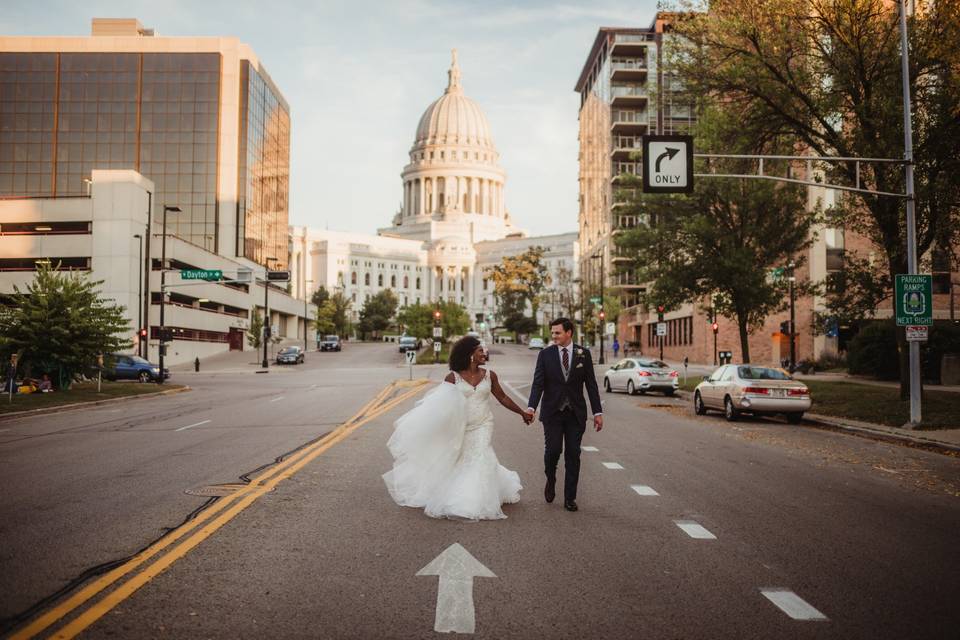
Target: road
(859, 535)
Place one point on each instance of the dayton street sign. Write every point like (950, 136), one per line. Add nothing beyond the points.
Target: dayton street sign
(212, 275)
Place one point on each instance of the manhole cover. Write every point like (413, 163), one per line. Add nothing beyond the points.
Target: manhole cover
(215, 490)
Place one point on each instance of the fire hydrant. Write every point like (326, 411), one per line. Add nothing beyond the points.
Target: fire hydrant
(196, 364)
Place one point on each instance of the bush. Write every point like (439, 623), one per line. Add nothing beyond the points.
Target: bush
(831, 361)
(873, 351)
(944, 338)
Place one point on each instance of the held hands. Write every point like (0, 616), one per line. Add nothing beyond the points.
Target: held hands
(527, 416)
(598, 422)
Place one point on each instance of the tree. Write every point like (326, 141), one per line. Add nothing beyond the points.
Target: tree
(828, 72)
(417, 320)
(340, 315)
(453, 318)
(519, 281)
(377, 313)
(324, 322)
(255, 332)
(319, 297)
(722, 241)
(567, 293)
(60, 324)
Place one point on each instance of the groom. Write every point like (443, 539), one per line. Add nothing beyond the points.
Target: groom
(563, 370)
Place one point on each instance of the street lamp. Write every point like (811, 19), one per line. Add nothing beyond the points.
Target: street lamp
(163, 280)
(599, 257)
(579, 283)
(793, 332)
(140, 340)
(266, 311)
(306, 290)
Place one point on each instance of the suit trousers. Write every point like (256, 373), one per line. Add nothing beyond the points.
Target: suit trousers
(563, 434)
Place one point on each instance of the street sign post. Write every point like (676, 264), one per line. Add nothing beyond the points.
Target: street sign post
(436, 346)
(438, 332)
(920, 333)
(411, 357)
(914, 294)
(661, 328)
(667, 164)
(595, 300)
(610, 329)
(212, 275)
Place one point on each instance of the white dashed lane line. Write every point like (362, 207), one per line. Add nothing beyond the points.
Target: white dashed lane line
(278, 399)
(191, 426)
(644, 490)
(694, 530)
(613, 465)
(792, 604)
(589, 449)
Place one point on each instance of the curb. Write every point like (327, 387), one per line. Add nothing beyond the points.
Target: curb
(872, 431)
(93, 403)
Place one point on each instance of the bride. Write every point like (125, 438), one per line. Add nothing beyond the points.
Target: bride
(443, 458)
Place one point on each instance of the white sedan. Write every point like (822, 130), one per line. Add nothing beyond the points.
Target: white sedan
(746, 388)
(639, 375)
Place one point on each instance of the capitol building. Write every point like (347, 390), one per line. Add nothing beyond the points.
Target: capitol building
(452, 226)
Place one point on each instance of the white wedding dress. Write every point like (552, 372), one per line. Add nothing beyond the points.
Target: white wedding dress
(444, 462)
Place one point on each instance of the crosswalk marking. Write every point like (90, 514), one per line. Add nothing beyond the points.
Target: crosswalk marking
(585, 448)
(644, 490)
(694, 530)
(613, 465)
(792, 604)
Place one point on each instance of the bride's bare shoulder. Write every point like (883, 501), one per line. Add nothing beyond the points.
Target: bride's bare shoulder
(452, 379)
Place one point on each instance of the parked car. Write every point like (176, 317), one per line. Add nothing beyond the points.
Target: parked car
(330, 343)
(536, 343)
(409, 343)
(120, 366)
(639, 375)
(291, 355)
(746, 388)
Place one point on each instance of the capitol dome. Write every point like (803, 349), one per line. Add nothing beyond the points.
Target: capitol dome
(454, 118)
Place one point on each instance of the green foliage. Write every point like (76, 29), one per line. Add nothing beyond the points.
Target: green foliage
(519, 323)
(377, 313)
(255, 332)
(324, 322)
(453, 318)
(721, 242)
(519, 281)
(319, 297)
(873, 351)
(60, 324)
(417, 319)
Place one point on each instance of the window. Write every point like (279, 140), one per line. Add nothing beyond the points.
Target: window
(393, 282)
(353, 278)
(366, 279)
(380, 280)
(406, 282)
(418, 285)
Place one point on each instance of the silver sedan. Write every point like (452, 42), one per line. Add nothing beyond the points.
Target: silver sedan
(639, 375)
(745, 388)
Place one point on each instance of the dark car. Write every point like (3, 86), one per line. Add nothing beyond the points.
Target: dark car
(290, 355)
(409, 343)
(330, 343)
(119, 366)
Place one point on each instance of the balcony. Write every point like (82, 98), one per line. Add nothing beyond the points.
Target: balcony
(628, 69)
(623, 146)
(628, 95)
(632, 45)
(628, 122)
(620, 169)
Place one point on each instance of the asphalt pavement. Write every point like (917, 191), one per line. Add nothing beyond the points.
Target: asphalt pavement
(689, 527)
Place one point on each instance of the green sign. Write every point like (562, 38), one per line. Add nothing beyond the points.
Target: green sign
(212, 275)
(595, 300)
(914, 296)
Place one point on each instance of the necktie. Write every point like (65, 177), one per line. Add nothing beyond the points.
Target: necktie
(566, 362)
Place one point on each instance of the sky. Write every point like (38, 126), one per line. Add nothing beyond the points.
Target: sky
(358, 76)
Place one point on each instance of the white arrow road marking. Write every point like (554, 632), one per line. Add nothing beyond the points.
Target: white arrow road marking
(694, 530)
(457, 569)
(644, 490)
(190, 426)
(613, 465)
(589, 449)
(792, 604)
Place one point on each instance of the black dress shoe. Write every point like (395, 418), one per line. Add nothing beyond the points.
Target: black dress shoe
(570, 505)
(550, 491)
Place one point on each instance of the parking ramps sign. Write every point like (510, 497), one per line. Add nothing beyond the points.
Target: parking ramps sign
(667, 164)
(914, 296)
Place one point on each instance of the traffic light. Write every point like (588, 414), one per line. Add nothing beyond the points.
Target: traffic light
(785, 327)
(715, 327)
(603, 314)
(436, 314)
(143, 333)
(660, 310)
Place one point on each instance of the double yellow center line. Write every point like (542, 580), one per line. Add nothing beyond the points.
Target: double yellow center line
(211, 519)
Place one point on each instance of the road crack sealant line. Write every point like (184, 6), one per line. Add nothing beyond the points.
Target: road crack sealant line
(257, 487)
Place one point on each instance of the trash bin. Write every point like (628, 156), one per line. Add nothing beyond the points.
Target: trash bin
(950, 368)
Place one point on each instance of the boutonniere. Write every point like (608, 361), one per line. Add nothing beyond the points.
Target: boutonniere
(579, 366)
(579, 351)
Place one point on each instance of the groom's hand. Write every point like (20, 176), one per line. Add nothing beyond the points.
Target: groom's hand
(598, 422)
(528, 416)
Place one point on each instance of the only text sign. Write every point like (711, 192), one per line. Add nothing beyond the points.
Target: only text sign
(667, 164)
(914, 297)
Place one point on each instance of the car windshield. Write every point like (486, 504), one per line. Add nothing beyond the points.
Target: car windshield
(408, 339)
(653, 364)
(138, 360)
(761, 373)
(331, 338)
(290, 350)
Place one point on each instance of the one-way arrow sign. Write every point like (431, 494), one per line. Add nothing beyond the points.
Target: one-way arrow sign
(457, 569)
(667, 164)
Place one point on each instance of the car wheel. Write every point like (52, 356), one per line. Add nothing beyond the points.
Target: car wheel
(668, 392)
(630, 388)
(729, 411)
(144, 376)
(698, 407)
(795, 417)
(606, 385)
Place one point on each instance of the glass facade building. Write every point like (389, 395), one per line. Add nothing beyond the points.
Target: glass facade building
(64, 113)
